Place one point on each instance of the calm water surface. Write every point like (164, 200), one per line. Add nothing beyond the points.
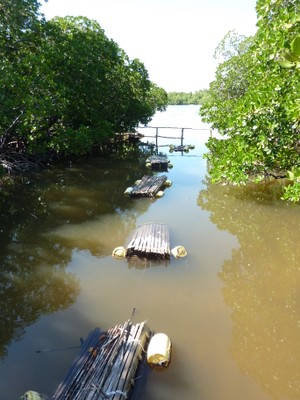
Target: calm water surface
(231, 308)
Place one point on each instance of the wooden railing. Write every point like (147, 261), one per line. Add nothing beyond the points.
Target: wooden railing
(181, 137)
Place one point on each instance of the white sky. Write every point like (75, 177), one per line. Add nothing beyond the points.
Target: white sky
(175, 39)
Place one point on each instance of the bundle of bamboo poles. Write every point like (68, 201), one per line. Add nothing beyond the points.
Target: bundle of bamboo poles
(150, 240)
(106, 366)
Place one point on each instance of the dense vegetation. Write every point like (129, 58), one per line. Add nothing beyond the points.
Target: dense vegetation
(184, 98)
(65, 87)
(254, 101)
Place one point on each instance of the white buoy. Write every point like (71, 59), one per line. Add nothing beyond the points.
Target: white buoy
(31, 395)
(159, 350)
(138, 182)
(128, 191)
(179, 252)
(119, 253)
(168, 183)
(160, 194)
(148, 165)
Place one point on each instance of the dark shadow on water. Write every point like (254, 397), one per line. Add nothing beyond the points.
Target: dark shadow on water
(141, 380)
(143, 263)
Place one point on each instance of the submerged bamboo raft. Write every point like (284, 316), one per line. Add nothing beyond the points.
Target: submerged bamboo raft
(106, 366)
(148, 186)
(151, 241)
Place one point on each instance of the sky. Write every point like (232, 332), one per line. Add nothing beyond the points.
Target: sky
(175, 39)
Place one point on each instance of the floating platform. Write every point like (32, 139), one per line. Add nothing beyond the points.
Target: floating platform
(148, 186)
(182, 148)
(151, 241)
(107, 364)
(158, 163)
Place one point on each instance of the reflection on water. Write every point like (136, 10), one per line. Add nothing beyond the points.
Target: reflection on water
(231, 307)
(142, 263)
(28, 293)
(62, 209)
(261, 284)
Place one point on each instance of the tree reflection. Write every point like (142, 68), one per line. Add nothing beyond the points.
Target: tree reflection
(261, 282)
(48, 217)
(30, 289)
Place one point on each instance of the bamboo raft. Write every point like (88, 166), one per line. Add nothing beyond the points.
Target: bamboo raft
(181, 148)
(148, 186)
(106, 365)
(150, 241)
(159, 163)
(185, 148)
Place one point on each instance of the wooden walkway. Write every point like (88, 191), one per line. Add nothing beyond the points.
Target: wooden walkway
(107, 364)
(149, 186)
(150, 241)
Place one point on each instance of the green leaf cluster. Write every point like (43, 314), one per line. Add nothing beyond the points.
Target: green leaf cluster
(254, 102)
(64, 86)
(291, 58)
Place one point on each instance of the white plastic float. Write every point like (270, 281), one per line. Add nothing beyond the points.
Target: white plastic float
(159, 350)
(31, 395)
(179, 252)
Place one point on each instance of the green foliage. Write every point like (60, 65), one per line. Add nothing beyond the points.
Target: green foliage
(291, 58)
(65, 86)
(231, 45)
(183, 98)
(254, 102)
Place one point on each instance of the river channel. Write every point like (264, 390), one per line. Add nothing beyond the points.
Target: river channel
(231, 307)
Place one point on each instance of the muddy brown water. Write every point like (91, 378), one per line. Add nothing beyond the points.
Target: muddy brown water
(230, 308)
